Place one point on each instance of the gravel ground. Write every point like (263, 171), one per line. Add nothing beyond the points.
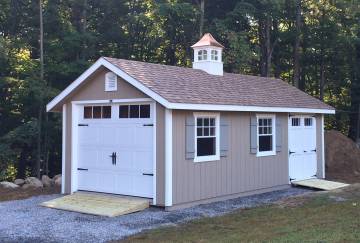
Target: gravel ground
(25, 221)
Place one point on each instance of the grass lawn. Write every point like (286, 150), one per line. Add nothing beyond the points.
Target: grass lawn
(318, 217)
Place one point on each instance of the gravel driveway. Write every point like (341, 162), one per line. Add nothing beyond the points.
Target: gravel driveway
(25, 221)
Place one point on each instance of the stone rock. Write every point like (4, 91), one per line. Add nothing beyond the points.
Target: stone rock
(58, 181)
(56, 176)
(47, 182)
(19, 182)
(33, 181)
(26, 186)
(8, 185)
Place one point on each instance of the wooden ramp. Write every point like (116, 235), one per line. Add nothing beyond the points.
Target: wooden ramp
(98, 204)
(320, 184)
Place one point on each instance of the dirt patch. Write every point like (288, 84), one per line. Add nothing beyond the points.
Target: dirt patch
(19, 193)
(342, 158)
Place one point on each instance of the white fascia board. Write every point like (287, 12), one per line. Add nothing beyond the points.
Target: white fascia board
(205, 107)
(102, 62)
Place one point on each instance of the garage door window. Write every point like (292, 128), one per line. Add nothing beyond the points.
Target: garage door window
(295, 122)
(308, 122)
(97, 112)
(266, 137)
(134, 111)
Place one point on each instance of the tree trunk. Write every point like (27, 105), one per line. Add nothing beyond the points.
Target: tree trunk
(322, 78)
(297, 45)
(40, 112)
(354, 116)
(202, 14)
(21, 169)
(275, 51)
(268, 45)
(262, 34)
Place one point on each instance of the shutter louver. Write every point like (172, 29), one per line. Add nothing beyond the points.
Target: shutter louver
(278, 134)
(253, 134)
(190, 137)
(224, 136)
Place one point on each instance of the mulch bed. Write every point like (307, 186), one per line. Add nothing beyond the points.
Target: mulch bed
(19, 193)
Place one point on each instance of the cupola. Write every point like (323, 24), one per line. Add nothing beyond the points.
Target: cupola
(208, 55)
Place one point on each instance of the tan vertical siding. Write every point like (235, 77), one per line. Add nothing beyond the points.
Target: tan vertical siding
(239, 172)
(160, 155)
(319, 146)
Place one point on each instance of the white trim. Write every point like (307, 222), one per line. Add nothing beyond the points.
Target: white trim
(205, 107)
(75, 111)
(168, 158)
(63, 154)
(180, 106)
(215, 157)
(323, 146)
(112, 101)
(273, 121)
(154, 152)
(103, 62)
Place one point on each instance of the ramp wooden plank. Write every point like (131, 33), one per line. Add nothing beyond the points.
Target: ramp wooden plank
(320, 184)
(98, 204)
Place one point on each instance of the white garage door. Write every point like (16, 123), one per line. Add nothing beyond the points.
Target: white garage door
(302, 147)
(116, 149)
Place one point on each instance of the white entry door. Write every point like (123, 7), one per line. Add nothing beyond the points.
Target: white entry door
(302, 147)
(115, 153)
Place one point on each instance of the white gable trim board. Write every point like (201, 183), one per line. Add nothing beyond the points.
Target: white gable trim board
(181, 106)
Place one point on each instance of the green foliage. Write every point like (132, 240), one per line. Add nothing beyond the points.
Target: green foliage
(77, 32)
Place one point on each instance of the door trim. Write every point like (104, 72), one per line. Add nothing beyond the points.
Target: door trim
(75, 112)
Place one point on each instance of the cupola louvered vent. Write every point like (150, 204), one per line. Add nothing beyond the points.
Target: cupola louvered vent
(110, 81)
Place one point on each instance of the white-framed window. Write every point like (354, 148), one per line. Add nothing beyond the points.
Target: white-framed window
(207, 137)
(214, 55)
(202, 55)
(266, 135)
(110, 81)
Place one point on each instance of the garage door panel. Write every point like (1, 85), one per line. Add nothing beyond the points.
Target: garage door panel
(144, 136)
(133, 144)
(141, 161)
(88, 136)
(125, 136)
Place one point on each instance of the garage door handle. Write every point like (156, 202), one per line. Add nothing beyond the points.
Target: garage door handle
(291, 152)
(82, 169)
(314, 150)
(148, 174)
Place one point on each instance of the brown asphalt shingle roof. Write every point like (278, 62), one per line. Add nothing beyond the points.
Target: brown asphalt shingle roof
(191, 86)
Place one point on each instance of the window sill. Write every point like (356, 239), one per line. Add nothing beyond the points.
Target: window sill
(206, 158)
(267, 153)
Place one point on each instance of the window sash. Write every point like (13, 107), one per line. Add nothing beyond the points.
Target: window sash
(266, 128)
(207, 126)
